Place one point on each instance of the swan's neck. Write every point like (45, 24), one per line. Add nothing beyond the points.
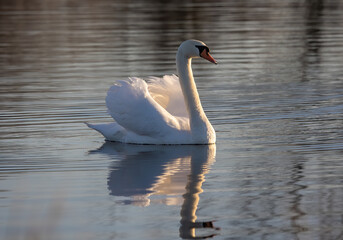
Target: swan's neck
(196, 113)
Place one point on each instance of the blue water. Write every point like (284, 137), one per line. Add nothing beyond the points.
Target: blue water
(274, 99)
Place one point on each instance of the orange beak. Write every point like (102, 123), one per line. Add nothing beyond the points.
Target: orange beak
(208, 57)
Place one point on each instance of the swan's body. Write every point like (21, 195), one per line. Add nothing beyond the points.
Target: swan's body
(162, 111)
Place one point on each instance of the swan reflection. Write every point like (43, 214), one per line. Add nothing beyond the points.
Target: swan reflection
(145, 172)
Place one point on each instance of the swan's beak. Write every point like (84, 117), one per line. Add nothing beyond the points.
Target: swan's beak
(207, 56)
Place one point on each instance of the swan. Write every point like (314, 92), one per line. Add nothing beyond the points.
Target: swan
(160, 110)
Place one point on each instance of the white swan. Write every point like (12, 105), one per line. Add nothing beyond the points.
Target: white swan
(155, 112)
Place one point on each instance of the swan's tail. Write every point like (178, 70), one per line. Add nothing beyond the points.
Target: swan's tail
(111, 131)
(96, 127)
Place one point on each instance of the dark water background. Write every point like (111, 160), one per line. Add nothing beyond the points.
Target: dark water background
(275, 100)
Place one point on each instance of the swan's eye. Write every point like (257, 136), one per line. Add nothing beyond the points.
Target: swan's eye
(202, 48)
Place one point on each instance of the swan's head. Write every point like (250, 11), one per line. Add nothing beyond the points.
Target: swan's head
(195, 49)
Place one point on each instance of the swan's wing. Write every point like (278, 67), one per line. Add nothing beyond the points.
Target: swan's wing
(167, 92)
(131, 105)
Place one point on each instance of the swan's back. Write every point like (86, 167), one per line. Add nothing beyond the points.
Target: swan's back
(167, 92)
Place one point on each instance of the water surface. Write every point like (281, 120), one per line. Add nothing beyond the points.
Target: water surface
(275, 100)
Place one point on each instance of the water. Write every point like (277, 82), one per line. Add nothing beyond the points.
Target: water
(275, 100)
